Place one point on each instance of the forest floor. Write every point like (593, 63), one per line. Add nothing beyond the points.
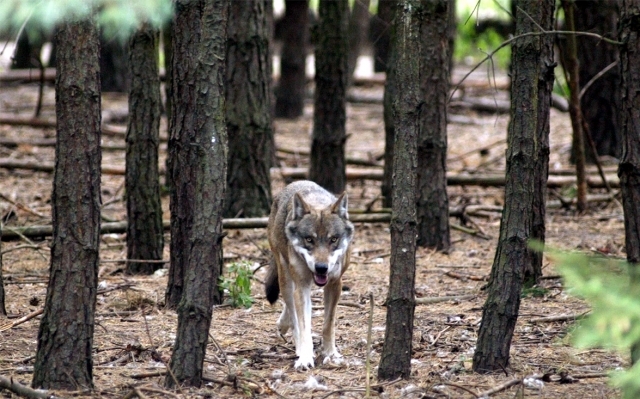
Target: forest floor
(131, 320)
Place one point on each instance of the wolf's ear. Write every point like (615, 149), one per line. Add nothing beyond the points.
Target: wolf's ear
(300, 208)
(340, 207)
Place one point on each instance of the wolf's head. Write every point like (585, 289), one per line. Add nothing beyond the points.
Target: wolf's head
(321, 236)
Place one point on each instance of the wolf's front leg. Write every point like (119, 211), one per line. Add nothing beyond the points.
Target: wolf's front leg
(302, 328)
(332, 293)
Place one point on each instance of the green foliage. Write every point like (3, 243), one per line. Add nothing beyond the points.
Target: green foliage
(117, 18)
(614, 296)
(471, 47)
(535, 292)
(237, 284)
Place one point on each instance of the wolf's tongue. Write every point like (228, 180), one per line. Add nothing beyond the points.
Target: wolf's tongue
(320, 280)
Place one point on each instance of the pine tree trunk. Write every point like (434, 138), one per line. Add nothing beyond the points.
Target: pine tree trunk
(381, 35)
(629, 167)
(65, 339)
(526, 175)
(600, 104)
(3, 308)
(358, 29)
(395, 360)
(201, 180)
(145, 238)
(114, 66)
(249, 124)
(389, 131)
(291, 88)
(432, 199)
(327, 162)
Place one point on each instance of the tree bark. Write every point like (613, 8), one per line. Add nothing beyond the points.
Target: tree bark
(572, 68)
(600, 104)
(629, 167)
(290, 90)
(526, 174)
(114, 66)
(395, 360)
(199, 175)
(358, 29)
(65, 338)
(145, 238)
(381, 35)
(432, 199)
(3, 308)
(327, 162)
(389, 94)
(249, 124)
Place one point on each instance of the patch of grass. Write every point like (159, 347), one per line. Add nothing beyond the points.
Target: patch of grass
(534, 292)
(237, 284)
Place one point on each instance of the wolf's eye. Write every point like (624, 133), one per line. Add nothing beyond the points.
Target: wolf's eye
(309, 240)
(334, 240)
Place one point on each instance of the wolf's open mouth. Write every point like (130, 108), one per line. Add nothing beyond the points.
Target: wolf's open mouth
(320, 280)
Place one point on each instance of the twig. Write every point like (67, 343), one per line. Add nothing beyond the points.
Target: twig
(505, 385)
(368, 354)
(230, 375)
(596, 77)
(461, 276)
(439, 299)
(23, 390)
(462, 388)
(22, 206)
(24, 319)
(157, 390)
(469, 231)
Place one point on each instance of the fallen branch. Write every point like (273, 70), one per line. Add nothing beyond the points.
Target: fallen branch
(566, 317)
(488, 180)
(23, 390)
(440, 299)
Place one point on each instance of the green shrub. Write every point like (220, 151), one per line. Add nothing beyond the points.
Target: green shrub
(614, 321)
(237, 284)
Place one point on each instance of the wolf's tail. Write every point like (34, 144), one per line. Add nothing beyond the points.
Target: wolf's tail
(271, 285)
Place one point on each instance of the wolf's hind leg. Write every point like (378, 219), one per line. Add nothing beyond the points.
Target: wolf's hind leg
(284, 321)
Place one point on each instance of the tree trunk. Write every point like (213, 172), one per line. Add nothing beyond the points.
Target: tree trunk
(572, 68)
(601, 102)
(432, 199)
(629, 167)
(327, 163)
(526, 174)
(290, 90)
(381, 34)
(200, 166)
(114, 66)
(395, 360)
(249, 124)
(358, 29)
(389, 94)
(65, 339)
(142, 186)
(3, 308)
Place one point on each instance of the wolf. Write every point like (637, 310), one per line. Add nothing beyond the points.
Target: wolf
(310, 237)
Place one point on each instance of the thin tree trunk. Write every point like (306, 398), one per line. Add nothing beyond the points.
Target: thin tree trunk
(432, 199)
(290, 90)
(327, 161)
(389, 131)
(358, 29)
(395, 360)
(145, 238)
(65, 338)
(3, 308)
(629, 167)
(381, 27)
(575, 111)
(249, 124)
(523, 214)
(201, 184)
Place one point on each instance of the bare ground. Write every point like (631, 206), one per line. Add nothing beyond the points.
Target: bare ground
(131, 321)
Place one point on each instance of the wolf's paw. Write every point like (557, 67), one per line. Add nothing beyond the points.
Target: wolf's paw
(284, 324)
(333, 358)
(304, 363)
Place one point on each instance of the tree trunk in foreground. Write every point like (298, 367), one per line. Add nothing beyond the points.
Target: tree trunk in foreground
(432, 199)
(327, 163)
(526, 175)
(629, 167)
(249, 124)
(3, 308)
(200, 180)
(145, 238)
(395, 360)
(65, 338)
